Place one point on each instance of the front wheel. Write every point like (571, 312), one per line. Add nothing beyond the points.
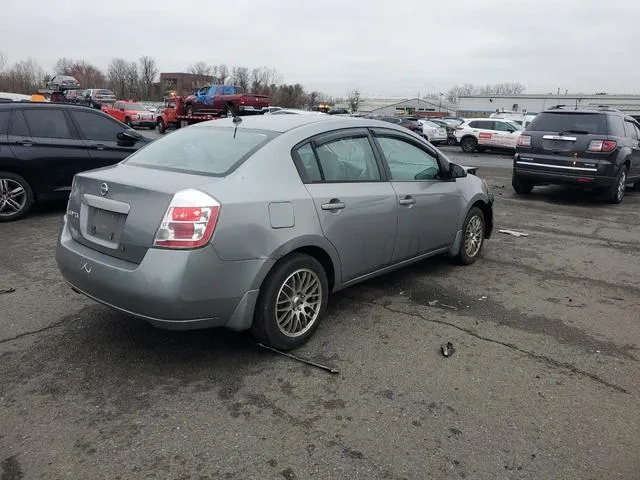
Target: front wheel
(127, 121)
(161, 126)
(292, 302)
(189, 110)
(472, 237)
(468, 144)
(16, 197)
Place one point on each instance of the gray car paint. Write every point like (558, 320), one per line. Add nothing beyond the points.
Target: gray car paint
(267, 212)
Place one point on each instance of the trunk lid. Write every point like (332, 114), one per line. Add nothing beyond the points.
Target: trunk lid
(117, 210)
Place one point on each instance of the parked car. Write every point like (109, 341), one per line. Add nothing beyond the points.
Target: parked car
(595, 148)
(479, 134)
(449, 126)
(43, 145)
(74, 96)
(408, 123)
(433, 132)
(134, 114)
(97, 97)
(63, 82)
(251, 225)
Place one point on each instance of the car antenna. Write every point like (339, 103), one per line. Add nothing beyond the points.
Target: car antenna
(237, 119)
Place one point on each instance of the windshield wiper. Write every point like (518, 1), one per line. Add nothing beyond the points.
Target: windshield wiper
(579, 132)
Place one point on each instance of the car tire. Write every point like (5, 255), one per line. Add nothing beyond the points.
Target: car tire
(188, 110)
(127, 121)
(10, 182)
(521, 187)
(469, 144)
(615, 194)
(276, 332)
(473, 230)
(229, 112)
(161, 126)
(451, 140)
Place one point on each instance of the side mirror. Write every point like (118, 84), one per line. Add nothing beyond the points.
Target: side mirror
(456, 171)
(128, 136)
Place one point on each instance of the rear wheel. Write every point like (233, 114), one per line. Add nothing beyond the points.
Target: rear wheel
(292, 302)
(472, 237)
(16, 197)
(616, 194)
(469, 144)
(189, 110)
(127, 120)
(522, 187)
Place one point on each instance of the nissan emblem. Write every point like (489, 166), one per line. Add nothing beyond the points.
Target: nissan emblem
(104, 189)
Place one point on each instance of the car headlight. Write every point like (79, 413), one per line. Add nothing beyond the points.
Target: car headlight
(485, 186)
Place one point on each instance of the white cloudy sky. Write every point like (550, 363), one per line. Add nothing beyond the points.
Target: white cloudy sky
(383, 47)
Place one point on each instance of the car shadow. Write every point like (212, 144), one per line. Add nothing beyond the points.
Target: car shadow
(571, 196)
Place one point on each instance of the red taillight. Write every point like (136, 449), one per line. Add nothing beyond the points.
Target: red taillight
(189, 221)
(602, 146)
(524, 141)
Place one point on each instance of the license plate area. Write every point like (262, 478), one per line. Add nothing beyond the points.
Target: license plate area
(105, 226)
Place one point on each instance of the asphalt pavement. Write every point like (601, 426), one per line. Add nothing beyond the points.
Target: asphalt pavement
(544, 382)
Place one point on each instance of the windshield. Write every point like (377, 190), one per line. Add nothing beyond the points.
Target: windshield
(585, 123)
(135, 107)
(203, 150)
(104, 92)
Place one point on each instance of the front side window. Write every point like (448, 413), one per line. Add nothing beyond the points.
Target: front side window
(47, 123)
(348, 160)
(407, 162)
(96, 127)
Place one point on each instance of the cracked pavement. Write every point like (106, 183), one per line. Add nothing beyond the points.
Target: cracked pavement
(544, 383)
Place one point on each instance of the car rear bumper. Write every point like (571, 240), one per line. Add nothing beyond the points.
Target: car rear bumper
(562, 178)
(143, 123)
(178, 290)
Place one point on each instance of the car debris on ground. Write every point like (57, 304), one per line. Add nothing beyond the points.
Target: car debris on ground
(447, 349)
(300, 359)
(7, 290)
(514, 233)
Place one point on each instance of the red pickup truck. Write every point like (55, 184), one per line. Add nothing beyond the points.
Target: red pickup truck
(132, 113)
(221, 99)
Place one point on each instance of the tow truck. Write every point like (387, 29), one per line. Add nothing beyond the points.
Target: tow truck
(174, 115)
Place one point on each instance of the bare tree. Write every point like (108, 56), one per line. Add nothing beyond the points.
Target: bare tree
(88, 75)
(263, 77)
(220, 74)
(23, 77)
(353, 98)
(118, 76)
(313, 98)
(240, 78)
(202, 73)
(133, 81)
(148, 74)
(3, 60)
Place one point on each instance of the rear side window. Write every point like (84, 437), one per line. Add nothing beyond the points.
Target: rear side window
(616, 126)
(484, 124)
(629, 130)
(47, 123)
(348, 160)
(4, 122)
(202, 150)
(578, 123)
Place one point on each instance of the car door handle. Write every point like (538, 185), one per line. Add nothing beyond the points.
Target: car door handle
(26, 143)
(408, 200)
(333, 205)
(100, 146)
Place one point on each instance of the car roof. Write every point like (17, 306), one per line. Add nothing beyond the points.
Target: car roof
(284, 123)
(588, 111)
(30, 104)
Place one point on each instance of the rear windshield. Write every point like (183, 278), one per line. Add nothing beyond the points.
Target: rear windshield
(585, 123)
(202, 150)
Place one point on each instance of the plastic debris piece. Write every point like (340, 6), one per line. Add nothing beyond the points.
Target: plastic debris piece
(447, 349)
(7, 290)
(514, 233)
(483, 297)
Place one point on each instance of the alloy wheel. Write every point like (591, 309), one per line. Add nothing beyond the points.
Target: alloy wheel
(13, 197)
(622, 184)
(473, 236)
(298, 302)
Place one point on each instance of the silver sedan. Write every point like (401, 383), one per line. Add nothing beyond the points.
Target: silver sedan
(250, 223)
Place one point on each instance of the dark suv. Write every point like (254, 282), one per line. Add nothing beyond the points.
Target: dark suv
(43, 145)
(594, 148)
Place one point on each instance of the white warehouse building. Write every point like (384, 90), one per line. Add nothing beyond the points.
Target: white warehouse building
(484, 105)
